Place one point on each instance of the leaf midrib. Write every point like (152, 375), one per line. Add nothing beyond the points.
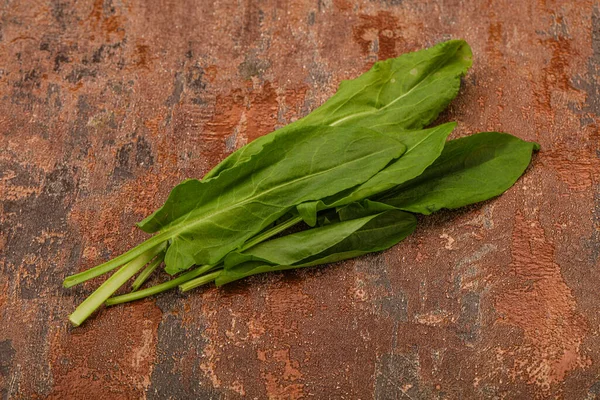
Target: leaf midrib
(186, 226)
(393, 101)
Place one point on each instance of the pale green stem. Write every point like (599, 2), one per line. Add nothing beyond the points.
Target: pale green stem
(145, 274)
(111, 285)
(173, 283)
(261, 237)
(194, 283)
(117, 261)
(150, 243)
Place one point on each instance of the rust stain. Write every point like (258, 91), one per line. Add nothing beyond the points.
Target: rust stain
(4, 291)
(556, 76)
(495, 39)
(579, 169)
(543, 307)
(238, 388)
(280, 303)
(18, 38)
(86, 216)
(76, 87)
(278, 391)
(290, 103)
(261, 116)
(290, 371)
(142, 56)
(211, 72)
(379, 34)
(164, 151)
(111, 25)
(342, 5)
(228, 119)
(281, 383)
(243, 115)
(80, 359)
(255, 329)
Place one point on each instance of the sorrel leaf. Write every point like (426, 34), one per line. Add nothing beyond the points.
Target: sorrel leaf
(334, 242)
(406, 93)
(469, 170)
(422, 149)
(220, 214)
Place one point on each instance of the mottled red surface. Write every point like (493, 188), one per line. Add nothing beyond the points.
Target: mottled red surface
(106, 105)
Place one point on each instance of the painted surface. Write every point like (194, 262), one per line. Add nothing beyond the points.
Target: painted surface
(105, 105)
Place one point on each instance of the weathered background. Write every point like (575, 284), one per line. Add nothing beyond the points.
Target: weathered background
(105, 105)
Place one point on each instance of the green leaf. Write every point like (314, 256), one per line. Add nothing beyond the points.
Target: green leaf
(181, 200)
(469, 170)
(422, 149)
(212, 217)
(395, 95)
(362, 209)
(334, 242)
(405, 93)
(293, 248)
(408, 91)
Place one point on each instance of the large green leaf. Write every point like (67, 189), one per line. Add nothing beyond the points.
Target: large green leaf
(469, 170)
(396, 95)
(334, 242)
(210, 218)
(422, 148)
(404, 93)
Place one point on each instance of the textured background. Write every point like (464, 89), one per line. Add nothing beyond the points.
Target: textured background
(106, 105)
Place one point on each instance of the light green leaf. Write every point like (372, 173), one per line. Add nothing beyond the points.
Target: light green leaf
(403, 93)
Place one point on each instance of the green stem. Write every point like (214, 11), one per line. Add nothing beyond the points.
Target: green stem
(271, 232)
(117, 261)
(145, 274)
(180, 280)
(111, 285)
(173, 283)
(194, 283)
(154, 241)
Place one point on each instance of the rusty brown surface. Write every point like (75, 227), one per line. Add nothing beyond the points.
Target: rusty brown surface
(105, 105)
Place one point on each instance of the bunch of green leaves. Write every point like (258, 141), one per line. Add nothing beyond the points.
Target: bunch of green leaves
(354, 170)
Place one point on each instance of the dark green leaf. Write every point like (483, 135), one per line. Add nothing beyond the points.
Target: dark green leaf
(333, 242)
(470, 170)
(362, 209)
(422, 148)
